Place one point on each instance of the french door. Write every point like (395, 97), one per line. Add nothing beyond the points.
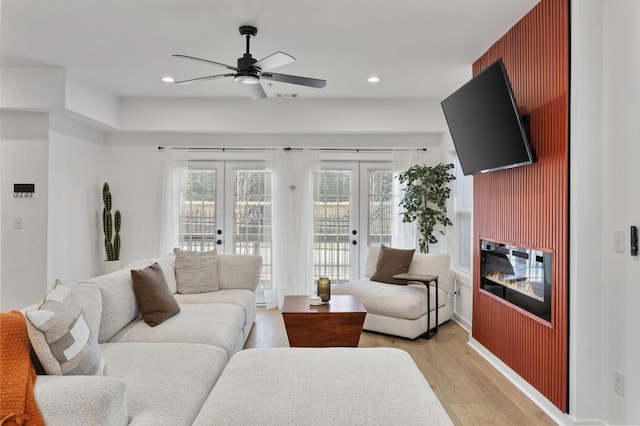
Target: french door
(353, 208)
(227, 205)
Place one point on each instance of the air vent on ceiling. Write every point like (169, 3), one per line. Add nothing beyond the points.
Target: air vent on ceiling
(286, 95)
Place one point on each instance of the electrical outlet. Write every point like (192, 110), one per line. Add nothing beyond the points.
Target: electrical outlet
(618, 382)
(618, 241)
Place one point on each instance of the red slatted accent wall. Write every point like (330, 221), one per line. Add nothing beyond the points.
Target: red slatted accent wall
(528, 206)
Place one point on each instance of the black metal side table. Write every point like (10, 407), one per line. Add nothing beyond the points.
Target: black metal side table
(425, 279)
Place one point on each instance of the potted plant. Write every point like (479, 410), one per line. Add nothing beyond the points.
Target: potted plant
(111, 239)
(424, 201)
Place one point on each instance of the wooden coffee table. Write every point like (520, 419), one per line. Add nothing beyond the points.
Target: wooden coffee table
(336, 323)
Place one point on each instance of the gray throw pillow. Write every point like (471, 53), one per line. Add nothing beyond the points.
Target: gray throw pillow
(392, 262)
(61, 335)
(155, 300)
(196, 272)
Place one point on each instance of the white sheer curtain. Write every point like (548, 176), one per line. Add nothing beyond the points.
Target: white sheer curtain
(292, 200)
(404, 235)
(174, 161)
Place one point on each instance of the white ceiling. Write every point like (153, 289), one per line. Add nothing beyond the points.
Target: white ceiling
(420, 48)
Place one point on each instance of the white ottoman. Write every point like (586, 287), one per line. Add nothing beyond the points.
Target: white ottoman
(322, 386)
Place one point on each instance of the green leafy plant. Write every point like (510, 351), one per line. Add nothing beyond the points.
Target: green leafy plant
(112, 248)
(425, 198)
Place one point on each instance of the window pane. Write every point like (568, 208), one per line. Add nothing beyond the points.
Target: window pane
(331, 219)
(463, 196)
(197, 215)
(252, 219)
(464, 239)
(380, 207)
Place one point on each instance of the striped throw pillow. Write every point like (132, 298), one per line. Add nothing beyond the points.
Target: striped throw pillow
(61, 336)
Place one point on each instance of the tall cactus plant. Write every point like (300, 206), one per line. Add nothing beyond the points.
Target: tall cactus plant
(111, 242)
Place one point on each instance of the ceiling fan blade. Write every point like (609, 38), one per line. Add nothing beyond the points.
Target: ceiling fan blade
(256, 91)
(193, 58)
(274, 60)
(294, 79)
(209, 77)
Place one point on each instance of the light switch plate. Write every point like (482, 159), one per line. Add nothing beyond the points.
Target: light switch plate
(17, 223)
(618, 242)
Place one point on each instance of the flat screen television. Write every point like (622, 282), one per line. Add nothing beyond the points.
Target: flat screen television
(485, 125)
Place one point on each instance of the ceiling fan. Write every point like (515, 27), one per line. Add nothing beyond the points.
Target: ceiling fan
(250, 72)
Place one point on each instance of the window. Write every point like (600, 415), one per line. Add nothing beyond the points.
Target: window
(220, 199)
(332, 209)
(350, 198)
(197, 216)
(252, 218)
(463, 196)
(380, 207)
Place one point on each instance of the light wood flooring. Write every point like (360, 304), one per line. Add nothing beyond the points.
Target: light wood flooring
(471, 390)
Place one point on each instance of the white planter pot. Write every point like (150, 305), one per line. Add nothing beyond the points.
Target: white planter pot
(109, 266)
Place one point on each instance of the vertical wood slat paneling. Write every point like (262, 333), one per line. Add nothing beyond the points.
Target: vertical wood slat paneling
(528, 206)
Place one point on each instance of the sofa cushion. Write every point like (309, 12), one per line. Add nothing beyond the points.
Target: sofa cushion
(153, 295)
(244, 298)
(370, 261)
(61, 335)
(196, 272)
(392, 262)
(119, 306)
(168, 265)
(81, 400)
(399, 301)
(422, 263)
(434, 264)
(218, 324)
(166, 383)
(239, 271)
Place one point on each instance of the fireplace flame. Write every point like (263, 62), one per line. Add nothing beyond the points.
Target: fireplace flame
(521, 285)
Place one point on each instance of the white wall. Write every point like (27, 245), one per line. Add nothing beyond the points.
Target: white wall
(621, 206)
(30, 88)
(92, 102)
(605, 156)
(76, 174)
(282, 116)
(134, 177)
(585, 268)
(24, 146)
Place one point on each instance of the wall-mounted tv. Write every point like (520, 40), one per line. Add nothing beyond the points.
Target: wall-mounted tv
(485, 125)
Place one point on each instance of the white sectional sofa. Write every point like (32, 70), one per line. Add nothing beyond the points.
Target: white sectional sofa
(189, 369)
(401, 310)
(154, 375)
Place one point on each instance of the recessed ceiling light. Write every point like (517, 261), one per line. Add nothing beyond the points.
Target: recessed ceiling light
(374, 79)
(168, 79)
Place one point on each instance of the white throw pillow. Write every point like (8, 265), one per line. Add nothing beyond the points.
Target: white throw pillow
(61, 335)
(196, 272)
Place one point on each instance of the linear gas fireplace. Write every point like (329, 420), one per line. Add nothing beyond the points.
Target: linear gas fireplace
(521, 276)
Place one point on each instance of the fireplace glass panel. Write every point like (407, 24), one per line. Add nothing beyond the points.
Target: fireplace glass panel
(521, 276)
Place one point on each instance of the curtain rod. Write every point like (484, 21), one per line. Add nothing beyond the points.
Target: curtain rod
(296, 149)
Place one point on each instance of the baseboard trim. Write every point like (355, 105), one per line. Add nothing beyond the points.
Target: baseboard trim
(532, 393)
(466, 325)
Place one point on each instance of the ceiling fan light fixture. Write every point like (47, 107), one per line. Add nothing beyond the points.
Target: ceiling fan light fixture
(168, 79)
(374, 79)
(247, 79)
